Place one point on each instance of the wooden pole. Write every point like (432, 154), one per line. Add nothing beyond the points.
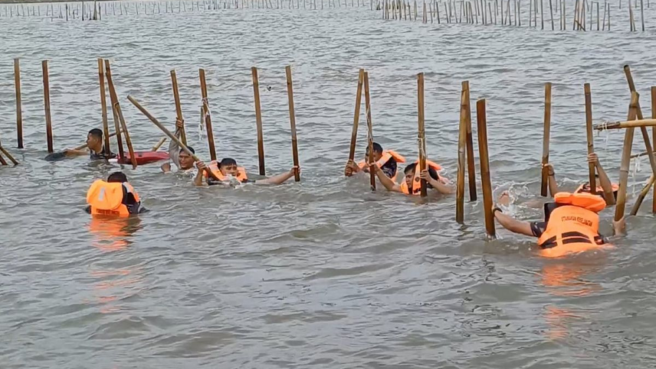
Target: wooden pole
(178, 106)
(116, 107)
(159, 144)
(206, 114)
(626, 160)
(642, 195)
(8, 155)
(590, 138)
(117, 125)
(103, 104)
(471, 166)
(168, 133)
(545, 140)
(485, 167)
(356, 115)
(292, 121)
(653, 115)
(370, 131)
(553, 28)
(462, 139)
(46, 103)
(258, 120)
(422, 132)
(19, 108)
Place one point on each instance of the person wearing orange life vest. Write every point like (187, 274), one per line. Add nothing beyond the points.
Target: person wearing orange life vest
(114, 197)
(386, 160)
(605, 185)
(228, 171)
(411, 183)
(571, 224)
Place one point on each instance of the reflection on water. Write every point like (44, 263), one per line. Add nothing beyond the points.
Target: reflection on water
(113, 284)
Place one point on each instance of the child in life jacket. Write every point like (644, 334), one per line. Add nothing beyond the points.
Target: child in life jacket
(386, 160)
(228, 171)
(571, 224)
(604, 189)
(411, 184)
(114, 197)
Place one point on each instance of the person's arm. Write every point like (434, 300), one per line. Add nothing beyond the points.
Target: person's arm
(279, 179)
(386, 181)
(604, 181)
(436, 183)
(73, 153)
(551, 179)
(198, 180)
(512, 224)
(166, 167)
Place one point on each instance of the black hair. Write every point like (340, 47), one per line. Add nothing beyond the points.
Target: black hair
(96, 132)
(432, 172)
(227, 161)
(377, 147)
(117, 177)
(190, 149)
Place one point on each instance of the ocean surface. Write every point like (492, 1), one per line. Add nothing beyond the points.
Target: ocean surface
(322, 273)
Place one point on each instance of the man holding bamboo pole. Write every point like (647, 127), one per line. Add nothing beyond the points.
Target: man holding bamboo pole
(411, 185)
(96, 150)
(570, 226)
(227, 172)
(180, 158)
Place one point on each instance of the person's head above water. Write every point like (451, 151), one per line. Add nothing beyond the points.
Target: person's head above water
(410, 174)
(117, 177)
(378, 152)
(186, 160)
(229, 166)
(95, 139)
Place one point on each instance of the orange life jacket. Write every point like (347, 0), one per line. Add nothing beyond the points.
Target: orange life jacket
(214, 167)
(106, 198)
(387, 155)
(416, 182)
(573, 226)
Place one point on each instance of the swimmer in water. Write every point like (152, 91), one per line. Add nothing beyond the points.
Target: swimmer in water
(411, 184)
(182, 160)
(386, 160)
(605, 185)
(96, 151)
(114, 197)
(571, 224)
(227, 171)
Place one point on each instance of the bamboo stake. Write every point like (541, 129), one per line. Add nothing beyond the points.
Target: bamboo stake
(19, 108)
(642, 195)
(643, 130)
(590, 138)
(8, 155)
(462, 143)
(625, 124)
(169, 134)
(159, 144)
(46, 103)
(258, 120)
(117, 125)
(103, 104)
(292, 122)
(178, 106)
(119, 113)
(3, 161)
(356, 115)
(626, 160)
(421, 132)
(370, 134)
(545, 140)
(485, 167)
(642, 15)
(471, 166)
(207, 115)
(653, 115)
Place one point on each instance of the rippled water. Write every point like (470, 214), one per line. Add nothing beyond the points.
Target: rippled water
(323, 273)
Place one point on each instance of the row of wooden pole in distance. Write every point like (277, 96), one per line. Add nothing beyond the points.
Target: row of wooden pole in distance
(512, 15)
